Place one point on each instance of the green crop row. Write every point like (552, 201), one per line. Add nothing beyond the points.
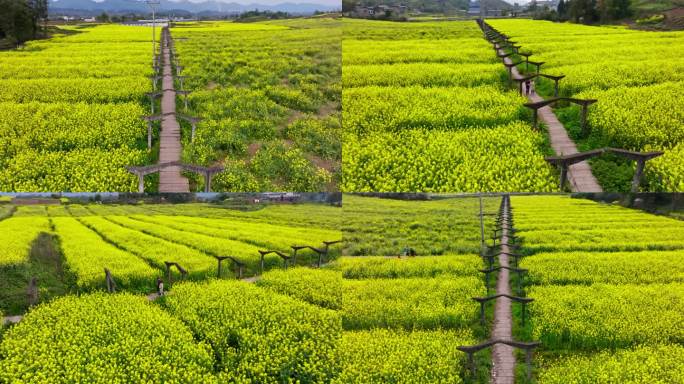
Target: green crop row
(470, 160)
(87, 256)
(258, 336)
(643, 267)
(102, 338)
(607, 316)
(316, 286)
(16, 236)
(396, 356)
(382, 267)
(153, 249)
(642, 364)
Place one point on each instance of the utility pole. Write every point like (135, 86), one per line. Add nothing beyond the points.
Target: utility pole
(152, 3)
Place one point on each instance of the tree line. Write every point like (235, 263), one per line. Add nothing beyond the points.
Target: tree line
(584, 11)
(20, 20)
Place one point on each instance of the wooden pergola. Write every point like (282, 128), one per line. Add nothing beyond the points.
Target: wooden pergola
(584, 103)
(142, 171)
(564, 162)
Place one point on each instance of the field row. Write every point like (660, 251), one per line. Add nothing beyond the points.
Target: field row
(608, 287)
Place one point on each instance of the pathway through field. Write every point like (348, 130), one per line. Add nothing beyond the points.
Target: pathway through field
(170, 179)
(579, 175)
(503, 360)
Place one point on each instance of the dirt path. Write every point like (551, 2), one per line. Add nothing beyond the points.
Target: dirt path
(579, 175)
(170, 179)
(503, 359)
(11, 319)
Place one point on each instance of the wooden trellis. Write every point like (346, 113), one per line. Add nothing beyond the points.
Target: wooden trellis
(528, 347)
(564, 162)
(142, 171)
(171, 264)
(584, 103)
(286, 258)
(484, 300)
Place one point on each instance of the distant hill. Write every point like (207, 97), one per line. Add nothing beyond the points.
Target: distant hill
(430, 5)
(89, 7)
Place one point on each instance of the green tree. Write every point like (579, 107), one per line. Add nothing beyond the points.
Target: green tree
(103, 18)
(17, 21)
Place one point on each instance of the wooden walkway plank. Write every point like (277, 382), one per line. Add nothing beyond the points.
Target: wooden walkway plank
(170, 179)
(579, 175)
(503, 359)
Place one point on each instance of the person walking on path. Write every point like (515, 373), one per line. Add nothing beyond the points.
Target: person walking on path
(160, 286)
(528, 85)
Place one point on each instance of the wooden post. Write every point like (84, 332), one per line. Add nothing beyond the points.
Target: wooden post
(640, 163)
(482, 312)
(585, 128)
(149, 134)
(207, 181)
(192, 136)
(563, 174)
(555, 91)
(528, 362)
(141, 182)
(218, 273)
(535, 118)
(168, 271)
(261, 262)
(111, 284)
(32, 292)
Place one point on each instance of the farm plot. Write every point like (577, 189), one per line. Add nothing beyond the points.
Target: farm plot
(608, 302)
(410, 324)
(637, 77)
(84, 240)
(401, 316)
(424, 110)
(380, 226)
(269, 97)
(70, 110)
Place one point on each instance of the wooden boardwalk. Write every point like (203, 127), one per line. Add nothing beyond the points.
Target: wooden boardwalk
(170, 179)
(579, 175)
(503, 359)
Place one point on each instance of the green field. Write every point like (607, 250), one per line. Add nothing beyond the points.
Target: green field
(68, 247)
(425, 109)
(359, 319)
(269, 94)
(608, 287)
(637, 77)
